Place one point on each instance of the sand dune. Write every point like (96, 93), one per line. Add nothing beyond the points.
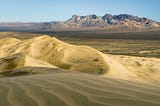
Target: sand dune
(44, 71)
(59, 54)
(75, 89)
(45, 51)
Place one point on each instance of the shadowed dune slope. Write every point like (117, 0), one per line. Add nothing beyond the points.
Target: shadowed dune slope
(75, 89)
(16, 61)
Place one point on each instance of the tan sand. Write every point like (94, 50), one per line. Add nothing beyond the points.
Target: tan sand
(57, 53)
(75, 89)
(145, 68)
(44, 71)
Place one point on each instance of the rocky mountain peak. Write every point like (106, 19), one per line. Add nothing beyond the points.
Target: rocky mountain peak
(91, 22)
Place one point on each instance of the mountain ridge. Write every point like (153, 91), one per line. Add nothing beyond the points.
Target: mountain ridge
(88, 22)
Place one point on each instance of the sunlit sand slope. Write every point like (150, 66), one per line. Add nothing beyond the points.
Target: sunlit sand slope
(55, 52)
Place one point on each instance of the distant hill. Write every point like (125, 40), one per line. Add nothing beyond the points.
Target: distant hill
(89, 22)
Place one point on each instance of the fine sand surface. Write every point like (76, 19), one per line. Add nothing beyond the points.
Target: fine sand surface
(145, 68)
(75, 89)
(44, 71)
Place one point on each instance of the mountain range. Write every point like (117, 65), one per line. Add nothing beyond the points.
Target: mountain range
(88, 22)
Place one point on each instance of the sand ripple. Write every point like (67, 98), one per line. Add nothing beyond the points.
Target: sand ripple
(75, 89)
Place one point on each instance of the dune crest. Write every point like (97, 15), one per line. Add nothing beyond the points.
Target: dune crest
(55, 52)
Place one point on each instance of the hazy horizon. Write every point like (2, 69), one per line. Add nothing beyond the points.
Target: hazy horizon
(60, 10)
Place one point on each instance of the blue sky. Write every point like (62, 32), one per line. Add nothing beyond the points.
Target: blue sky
(60, 10)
